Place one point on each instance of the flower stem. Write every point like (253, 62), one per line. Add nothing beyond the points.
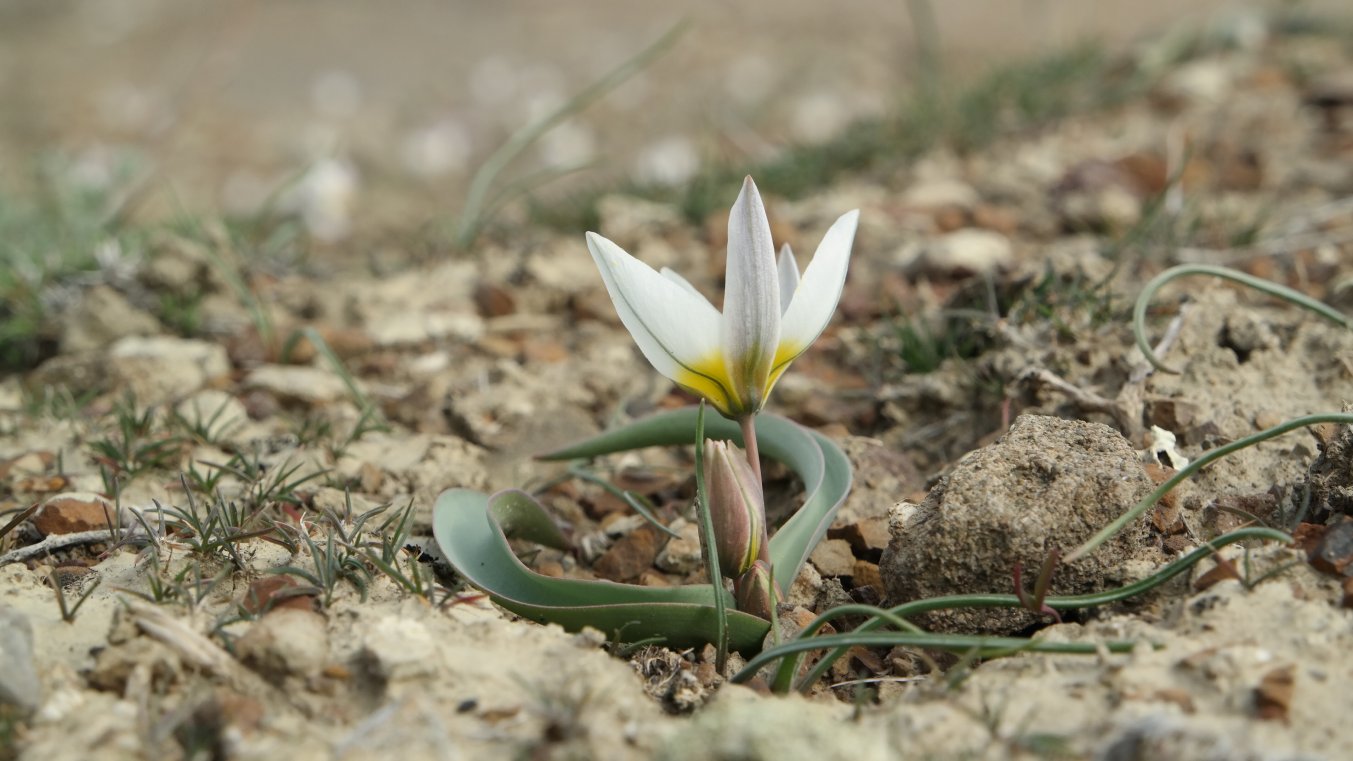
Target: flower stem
(748, 424)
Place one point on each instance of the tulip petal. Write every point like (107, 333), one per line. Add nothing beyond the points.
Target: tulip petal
(751, 307)
(676, 329)
(789, 277)
(818, 292)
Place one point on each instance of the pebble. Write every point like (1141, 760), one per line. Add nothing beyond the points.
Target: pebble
(74, 512)
(967, 251)
(834, 558)
(157, 369)
(682, 554)
(304, 384)
(19, 685)
(286, 641)
(100, 317)
(631, 555)
(399, 648)
(939, 193)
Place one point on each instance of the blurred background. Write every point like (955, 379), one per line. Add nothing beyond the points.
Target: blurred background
(369, 116)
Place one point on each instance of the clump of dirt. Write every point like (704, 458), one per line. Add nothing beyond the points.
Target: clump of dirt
(1047, 484)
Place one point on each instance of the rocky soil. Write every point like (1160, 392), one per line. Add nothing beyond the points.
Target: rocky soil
(190, 479)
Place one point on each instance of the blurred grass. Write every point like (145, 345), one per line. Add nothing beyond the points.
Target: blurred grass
(44, 240)
(1017, 96)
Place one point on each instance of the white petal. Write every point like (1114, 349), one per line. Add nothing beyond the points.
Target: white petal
(675, 277)
(819, 291)
(789, 277)
(675, 328)
(751, 306)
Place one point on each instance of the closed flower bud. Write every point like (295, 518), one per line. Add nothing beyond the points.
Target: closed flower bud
(736, 506)
(753, 591)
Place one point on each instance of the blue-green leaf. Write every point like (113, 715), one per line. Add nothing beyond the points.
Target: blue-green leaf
(814, 458)
(469, 527)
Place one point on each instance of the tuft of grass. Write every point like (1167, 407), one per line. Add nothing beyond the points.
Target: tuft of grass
(210, 429)
(134, 446)
(215, 530)
(181, 313)
(924, 344)
(1066, 302)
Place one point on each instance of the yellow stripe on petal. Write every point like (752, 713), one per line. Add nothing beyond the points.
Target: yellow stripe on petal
(709, 378)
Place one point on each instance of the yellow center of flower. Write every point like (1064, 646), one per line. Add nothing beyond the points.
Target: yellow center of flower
(709, 378)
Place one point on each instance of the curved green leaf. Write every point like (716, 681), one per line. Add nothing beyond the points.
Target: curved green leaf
(814, 458)
(469, 528)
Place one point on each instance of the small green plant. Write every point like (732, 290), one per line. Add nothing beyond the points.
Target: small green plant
(353, 548)
(1066, 302)
(212, 429)
(135, 445)
(334, 560)
(181, 313)
(215, 530)
(390, 548)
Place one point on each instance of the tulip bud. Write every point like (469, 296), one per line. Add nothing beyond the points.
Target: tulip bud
(753, 591)
(736, 506)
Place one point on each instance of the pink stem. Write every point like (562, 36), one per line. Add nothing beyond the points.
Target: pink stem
(748, 424)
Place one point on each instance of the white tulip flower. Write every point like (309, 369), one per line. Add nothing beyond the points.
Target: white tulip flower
(770, 315)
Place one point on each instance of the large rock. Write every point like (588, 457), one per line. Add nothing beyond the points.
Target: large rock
(1047, 483)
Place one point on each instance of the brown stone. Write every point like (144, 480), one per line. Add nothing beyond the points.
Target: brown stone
(604, 505)
(551, 568)
(631, 555)
(1334, 553)
(833, 558)
(866, 574)
(74, 512)
(493, 300)
(1171, 414)
(1273, 696)
(653, 579)
(865, 536)
(1002, 219)
(41, 484)
(544, 351)
(344, 342)
(272, 592)
(950, 218)
(1177, 544)
(27, 464)
(1222, 571)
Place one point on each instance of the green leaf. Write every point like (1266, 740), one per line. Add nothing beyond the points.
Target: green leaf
(470, 528)
(814, 458)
